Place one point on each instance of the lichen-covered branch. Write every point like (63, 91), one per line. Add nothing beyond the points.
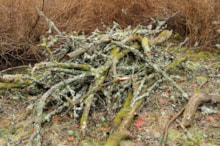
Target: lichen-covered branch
(155, 66)
(88, 102)
(123, 120)
(146, 94)
(41, 104)
(193, 104)
(14, 81)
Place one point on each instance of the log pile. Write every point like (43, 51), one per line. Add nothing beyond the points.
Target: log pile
(117, 69)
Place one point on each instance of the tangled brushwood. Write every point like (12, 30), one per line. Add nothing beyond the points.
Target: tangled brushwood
(116, 70)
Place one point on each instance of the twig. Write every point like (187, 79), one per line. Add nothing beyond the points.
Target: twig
(168, 125)
(88, 102)
(41, 105)
(37, 20)
(56, 111)
(145, 94)
(182, 43)
(148, 62)
(188, 134)
(51, 23)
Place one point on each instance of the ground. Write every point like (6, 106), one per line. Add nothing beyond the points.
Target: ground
(16, 116)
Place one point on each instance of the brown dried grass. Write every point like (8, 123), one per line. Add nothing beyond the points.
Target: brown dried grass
(21, 27)
(196, 20)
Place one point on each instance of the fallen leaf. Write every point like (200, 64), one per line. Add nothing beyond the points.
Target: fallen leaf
(70, 138)
(105, 129)
(6, 124)
(210, 118)
(164, 101)
(29, 97)
(49, 98)
(32, 130)
(148, 54)
(123, 78)
(139, 122)
(166, 93)
(55, 118)
(194, 85)
(49, 111)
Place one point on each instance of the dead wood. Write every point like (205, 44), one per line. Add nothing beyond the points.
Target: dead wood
(168, 125)
(193, 104)
(111, 65)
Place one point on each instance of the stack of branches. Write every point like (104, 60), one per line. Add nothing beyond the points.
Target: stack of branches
(117, 68)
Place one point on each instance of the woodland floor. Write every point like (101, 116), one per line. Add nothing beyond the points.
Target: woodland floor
(21, 25)
(147, 128)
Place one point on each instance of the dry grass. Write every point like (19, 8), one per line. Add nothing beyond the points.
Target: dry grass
(21, 28)
(196, 20)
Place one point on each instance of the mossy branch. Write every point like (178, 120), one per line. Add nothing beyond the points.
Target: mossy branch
(123, 121)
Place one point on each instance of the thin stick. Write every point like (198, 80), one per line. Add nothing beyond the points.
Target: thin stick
(168, 125)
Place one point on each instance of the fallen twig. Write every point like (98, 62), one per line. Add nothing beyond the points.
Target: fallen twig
(164, 139)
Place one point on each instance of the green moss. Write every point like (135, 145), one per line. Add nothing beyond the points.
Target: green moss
(175, 65)
(115, 138)
(201, 79)
(105, 124)
(115, 53)
(90, 143)
(121, 114)
(191, 142)
(197, 138)
(177, 36)
(2, 92)
(174, 135)
(200, 55)
(194, 54)
(85, 67)
(9, 85)
(84, 116)
(124, 110)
